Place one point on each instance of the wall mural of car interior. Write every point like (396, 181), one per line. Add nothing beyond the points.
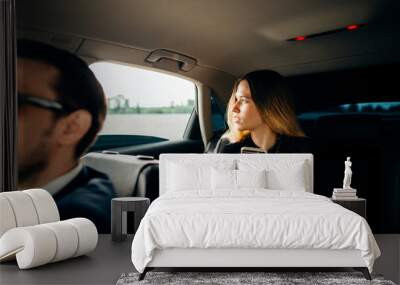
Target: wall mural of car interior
(149, 137)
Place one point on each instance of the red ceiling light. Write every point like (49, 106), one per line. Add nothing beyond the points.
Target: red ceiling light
(352, 27)
(300, 38)
(343, 29)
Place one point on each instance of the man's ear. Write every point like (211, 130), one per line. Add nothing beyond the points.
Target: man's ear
(74, 127)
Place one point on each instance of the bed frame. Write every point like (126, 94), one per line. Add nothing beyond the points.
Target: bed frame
(248, 259)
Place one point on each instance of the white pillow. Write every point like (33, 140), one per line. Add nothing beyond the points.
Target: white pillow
(281, 174)
(182, 177)
(292, 179)
(251, 178)
(193, 175)
(223, 179)
(237, 179)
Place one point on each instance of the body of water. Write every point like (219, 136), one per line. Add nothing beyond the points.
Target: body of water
(169, 126)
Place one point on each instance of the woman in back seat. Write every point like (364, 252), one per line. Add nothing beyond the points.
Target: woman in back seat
(261, 114)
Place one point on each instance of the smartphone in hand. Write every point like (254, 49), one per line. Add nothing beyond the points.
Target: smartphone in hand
(247, 149)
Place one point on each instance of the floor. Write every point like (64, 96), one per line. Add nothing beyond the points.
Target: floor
(110, 260)
(389, 262)
(102, 266)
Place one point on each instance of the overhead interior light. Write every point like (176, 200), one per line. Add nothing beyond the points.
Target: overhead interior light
(300, 38)
(351, 27)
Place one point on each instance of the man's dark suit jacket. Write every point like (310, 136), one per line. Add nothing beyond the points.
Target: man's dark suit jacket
(89, 196)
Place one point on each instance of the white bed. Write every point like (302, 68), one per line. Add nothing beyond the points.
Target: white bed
(254, 210)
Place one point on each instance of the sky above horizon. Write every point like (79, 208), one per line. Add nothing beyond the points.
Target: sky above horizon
(141, 86)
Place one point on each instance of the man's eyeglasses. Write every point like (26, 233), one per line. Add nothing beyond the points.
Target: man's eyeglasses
(42, 103)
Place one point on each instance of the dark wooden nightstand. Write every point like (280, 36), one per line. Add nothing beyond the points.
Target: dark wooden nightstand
(358, 205)
(119, 208)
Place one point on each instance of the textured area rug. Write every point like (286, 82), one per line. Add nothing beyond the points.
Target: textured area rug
(229, 278)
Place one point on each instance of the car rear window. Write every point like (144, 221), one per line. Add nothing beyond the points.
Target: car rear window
(373, 107)
(381, 108)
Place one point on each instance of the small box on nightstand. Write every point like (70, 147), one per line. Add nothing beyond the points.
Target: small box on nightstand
(357, 205)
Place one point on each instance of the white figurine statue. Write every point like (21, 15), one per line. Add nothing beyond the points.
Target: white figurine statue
(347, 174)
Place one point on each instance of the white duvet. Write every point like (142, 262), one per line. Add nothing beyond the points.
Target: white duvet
(250, 219)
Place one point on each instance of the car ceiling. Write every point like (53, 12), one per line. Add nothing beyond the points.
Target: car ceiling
(227, 37)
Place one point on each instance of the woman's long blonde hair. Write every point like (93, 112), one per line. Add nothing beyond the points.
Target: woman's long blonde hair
(273, 101)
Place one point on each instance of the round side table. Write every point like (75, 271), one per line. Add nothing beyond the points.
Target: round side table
(119, 208)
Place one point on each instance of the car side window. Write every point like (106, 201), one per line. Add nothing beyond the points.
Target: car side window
(142, 102)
